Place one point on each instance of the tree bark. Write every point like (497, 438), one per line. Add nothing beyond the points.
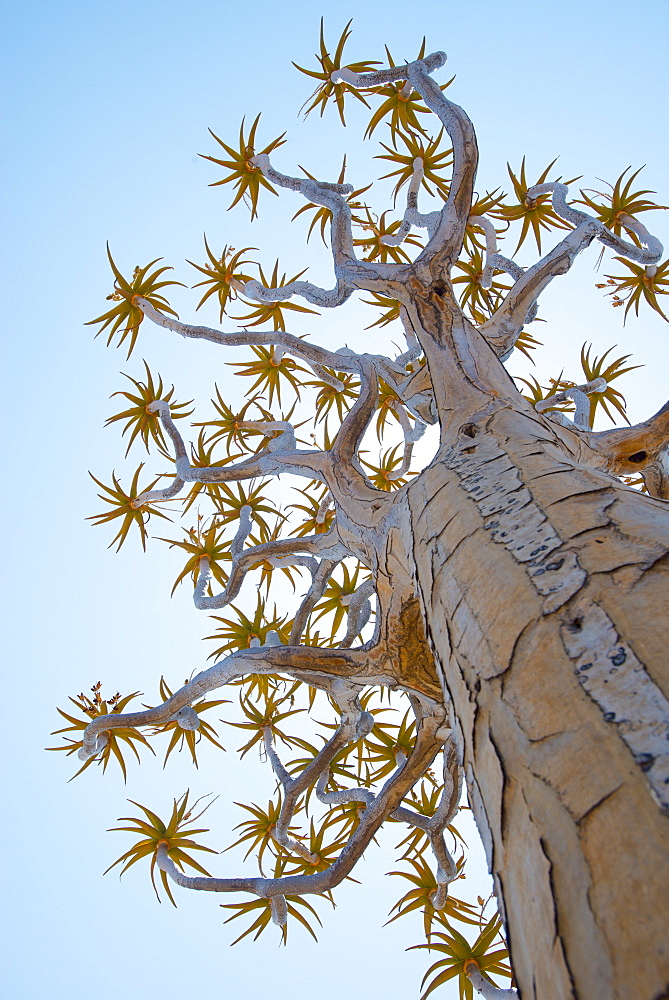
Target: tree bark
(543, 584)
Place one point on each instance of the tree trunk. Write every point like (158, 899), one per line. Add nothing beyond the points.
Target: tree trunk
(544, 589)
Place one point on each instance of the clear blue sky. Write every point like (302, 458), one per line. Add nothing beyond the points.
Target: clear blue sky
(106, 108)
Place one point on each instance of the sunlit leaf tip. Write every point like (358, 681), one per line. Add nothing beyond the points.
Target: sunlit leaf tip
(125, 318)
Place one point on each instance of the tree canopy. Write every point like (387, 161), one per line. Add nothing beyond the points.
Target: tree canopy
(272, 558)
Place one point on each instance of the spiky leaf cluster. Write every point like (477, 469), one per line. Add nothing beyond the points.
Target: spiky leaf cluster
(89, 708)
(246, 178)
(123, 320)
(153, 832)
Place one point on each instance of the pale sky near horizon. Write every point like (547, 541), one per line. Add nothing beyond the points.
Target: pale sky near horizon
(106, 107)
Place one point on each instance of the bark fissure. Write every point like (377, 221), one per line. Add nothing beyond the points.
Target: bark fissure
(556, 916)
(599, 803)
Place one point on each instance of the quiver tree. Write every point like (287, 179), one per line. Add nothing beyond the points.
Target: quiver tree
(510, 589)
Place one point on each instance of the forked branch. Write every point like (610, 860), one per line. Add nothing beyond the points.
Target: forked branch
(446, 236)
(412, 217)
(351, 273)
(506, 324)
(280, 552)
(430, 737)
(279, 456)
(354, 725)
(322, 668)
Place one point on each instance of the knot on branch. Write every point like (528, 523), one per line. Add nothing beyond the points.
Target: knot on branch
(187, 718)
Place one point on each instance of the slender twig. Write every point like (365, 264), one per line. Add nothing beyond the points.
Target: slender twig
(345, 361)
(311, 598)
(279, 456)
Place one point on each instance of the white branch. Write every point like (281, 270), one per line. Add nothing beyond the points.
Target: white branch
(323, 508)
(412, 217)
(435, 825)
(325, 668)
(650, 255)
(312, 597)
(412, 434)
(325, 298)
(279, 910)
(282, 442)
(279, 456)
(519, 307)
(341, 796)
(579, 394)
(490, 234)
(358, 418)
(413, 345)
(243, 532)
(355, 724)
(149, 496)
(363, 81)
(485, 988)
(359, 612)
(320, 373)
(345, 361)
(495, 261)
(351, 272)
(280, 832)
(510, 266)
(446, 236)
(162, 408)
(328, 195)
(279, 552)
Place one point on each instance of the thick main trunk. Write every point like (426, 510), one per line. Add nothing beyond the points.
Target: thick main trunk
(544, 590)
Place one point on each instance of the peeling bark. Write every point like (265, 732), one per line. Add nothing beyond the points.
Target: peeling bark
(544, 587)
